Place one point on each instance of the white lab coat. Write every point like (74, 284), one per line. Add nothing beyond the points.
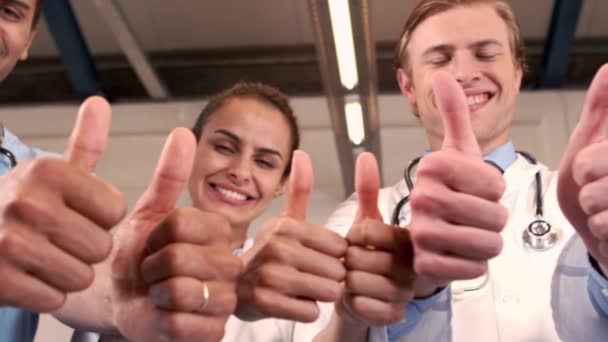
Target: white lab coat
(531, 296)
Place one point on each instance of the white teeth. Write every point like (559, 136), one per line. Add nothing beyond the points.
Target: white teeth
(477, 99)
(231, 194)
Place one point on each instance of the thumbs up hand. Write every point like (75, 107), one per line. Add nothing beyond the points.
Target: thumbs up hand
(456, 214)
(379, 279)
(583, 172)
(174, 275)
(54, 217)
(292, 263)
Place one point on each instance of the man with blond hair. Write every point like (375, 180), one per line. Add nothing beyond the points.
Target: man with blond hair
(459, 64)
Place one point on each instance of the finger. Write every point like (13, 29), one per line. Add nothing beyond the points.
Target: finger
(375, 286)
(304, 259)
(90, 134)
(448, 267)
(457, 174)
(374, 312)
(188, 295)
(388, 264)
(460, 241)
(277, 305)
(66, 228)
(592, 196)
(440, 202)
(36, 256)
(171, 174)
(296, 284)
(380, 236)
(452, 104)
(313, 236)
(598, 225)
(300, 186)
(187, 260)
(192, 226)
(22, 290)
(182, 326)
(367, 186)
(592, 123)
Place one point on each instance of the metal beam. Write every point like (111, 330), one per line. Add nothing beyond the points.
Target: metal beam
(337, 95)
(75, 54)
(138, 59)
(560, 39)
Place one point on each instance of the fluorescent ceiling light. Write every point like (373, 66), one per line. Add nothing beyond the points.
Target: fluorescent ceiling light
(342, 30)
(354, 119)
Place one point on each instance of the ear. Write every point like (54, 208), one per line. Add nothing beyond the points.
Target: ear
(519, 73)
(26, 49)
(406, 86)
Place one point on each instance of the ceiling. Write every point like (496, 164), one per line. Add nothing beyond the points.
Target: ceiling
(198, 47)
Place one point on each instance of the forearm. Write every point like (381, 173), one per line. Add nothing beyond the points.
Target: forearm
(338, 330)
(91, 309)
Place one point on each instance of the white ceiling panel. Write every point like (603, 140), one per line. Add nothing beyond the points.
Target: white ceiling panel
(163, 25)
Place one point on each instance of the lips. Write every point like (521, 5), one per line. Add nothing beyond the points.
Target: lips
(231, 196)
(477, 100)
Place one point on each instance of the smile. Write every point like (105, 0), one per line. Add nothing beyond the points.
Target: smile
(477, 101)
(230, 196)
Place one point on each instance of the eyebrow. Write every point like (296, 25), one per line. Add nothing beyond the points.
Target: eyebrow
(238, 140)
(19, 3)
(444, 48)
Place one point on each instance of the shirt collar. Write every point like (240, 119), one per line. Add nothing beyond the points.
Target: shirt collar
(503, 156)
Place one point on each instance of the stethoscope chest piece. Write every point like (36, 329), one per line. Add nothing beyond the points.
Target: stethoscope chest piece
(540, 235)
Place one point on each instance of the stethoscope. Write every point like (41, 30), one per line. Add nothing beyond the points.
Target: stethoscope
(539, 235)
(8, 154)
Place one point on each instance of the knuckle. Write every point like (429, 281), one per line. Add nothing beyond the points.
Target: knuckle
(221, 226)
(174, 257)
(584, 166)
(276, 249)
(10, 244)
(425, 265)
(267, 275)
(234, 268)
(175, 292)
(423, 238)
(495, 246)
(588, 199)
(174, 326)
(52, 302)
(598, 226)
(351, 257)
(82, 279)
(422, 200)
(42, 167)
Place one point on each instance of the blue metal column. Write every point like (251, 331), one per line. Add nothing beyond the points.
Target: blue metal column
(559, 43)
(76, 56)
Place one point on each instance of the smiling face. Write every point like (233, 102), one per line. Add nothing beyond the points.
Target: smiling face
(16, 32)
(472, 43)
(243, 150)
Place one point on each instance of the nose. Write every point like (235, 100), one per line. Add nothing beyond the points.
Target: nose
(239, 171)
(465, 69)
